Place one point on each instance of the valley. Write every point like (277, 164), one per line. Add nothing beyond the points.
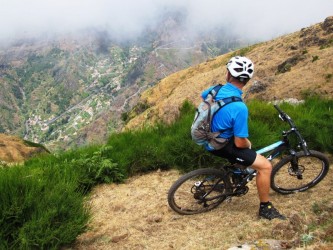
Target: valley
(60, 91)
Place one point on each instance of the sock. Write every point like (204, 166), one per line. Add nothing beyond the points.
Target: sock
(264, 204)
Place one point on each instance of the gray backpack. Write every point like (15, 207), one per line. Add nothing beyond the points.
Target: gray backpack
(201, 127)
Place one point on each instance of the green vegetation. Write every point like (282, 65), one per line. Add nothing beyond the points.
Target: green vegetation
(244, 51)
(51, 82)
(139, 108)
(315, 58)
(328, 77)
(324, 224)
(290, 62)
(42, 202)
(328, 43)
(312, 119)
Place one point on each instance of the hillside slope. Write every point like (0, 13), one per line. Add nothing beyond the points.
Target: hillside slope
(15, 150)
(290, 66)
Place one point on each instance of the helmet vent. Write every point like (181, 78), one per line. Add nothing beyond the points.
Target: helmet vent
(240, 67)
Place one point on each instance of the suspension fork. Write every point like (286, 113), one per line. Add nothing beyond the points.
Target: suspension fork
(294, 165)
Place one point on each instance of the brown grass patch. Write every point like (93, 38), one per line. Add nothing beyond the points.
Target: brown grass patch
(135, 215)
(15, 150)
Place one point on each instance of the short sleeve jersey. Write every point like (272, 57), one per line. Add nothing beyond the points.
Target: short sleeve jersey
(232, 118)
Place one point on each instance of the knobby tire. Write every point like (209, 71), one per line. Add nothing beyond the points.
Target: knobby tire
(186, 198)
(308, 172)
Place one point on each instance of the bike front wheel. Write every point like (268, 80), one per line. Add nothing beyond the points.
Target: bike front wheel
(299, 173)
(199, 191)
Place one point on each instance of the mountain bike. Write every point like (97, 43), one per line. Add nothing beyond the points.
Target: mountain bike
(298, 169)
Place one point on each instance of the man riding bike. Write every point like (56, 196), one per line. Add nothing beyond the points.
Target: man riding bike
(233, 121)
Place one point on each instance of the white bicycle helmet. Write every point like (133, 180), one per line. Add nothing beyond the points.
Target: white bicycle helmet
(241, 68)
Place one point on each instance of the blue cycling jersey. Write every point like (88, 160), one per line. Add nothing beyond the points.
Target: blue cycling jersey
(233, 118)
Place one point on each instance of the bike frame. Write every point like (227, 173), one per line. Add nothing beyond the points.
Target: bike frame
(275, 148)
(281, 145)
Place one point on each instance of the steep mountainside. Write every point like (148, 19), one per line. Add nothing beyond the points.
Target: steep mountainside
(72, 90)
(290, 66)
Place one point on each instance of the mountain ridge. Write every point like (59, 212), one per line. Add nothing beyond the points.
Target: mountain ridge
(289, 66)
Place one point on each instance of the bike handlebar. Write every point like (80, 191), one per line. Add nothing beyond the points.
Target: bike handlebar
(286, 118)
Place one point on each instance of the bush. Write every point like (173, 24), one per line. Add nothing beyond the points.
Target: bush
(313, 114)
(42, 202)
(39, 210)
(95, 169)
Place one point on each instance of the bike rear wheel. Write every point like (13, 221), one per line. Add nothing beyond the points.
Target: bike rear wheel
(199, 191)
(298, 174)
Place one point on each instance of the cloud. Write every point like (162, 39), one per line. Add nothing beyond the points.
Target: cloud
(256, 19)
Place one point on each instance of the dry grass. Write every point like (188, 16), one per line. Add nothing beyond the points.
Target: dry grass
(135, 215)
(14, 150)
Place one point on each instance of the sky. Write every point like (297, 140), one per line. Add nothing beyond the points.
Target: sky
(253, 19)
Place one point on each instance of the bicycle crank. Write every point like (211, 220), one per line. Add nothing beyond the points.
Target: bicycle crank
(241, 191)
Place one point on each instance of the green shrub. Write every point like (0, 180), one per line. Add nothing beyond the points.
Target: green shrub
(328, 77)
(313, 114)
(39, 210)
(315, 58)
(95, 168)
(136, 151)
(57, 218)
(42, 202)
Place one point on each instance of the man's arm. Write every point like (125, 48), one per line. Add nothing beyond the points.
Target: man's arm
(242, 142)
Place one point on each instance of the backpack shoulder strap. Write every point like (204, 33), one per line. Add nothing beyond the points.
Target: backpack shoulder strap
(228, 100)
(213, 92)
(225, 101)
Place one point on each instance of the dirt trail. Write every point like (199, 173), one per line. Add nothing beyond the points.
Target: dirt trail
(135, 215)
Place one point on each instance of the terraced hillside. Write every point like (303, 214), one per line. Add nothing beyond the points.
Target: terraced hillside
(73, 89)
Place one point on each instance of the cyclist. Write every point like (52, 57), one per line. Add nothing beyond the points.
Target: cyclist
(232, 119)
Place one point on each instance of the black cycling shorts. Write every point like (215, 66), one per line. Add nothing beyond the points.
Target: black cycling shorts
(243, 156)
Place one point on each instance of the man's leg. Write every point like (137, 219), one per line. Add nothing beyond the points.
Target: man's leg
(249, 157)
(264, 170)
